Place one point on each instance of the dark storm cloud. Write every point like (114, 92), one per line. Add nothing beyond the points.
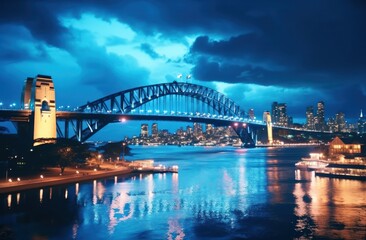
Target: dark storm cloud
(15, 45)
(37, 16)
(292, 44)
(330, 49)
(107, 72)
(147, 48)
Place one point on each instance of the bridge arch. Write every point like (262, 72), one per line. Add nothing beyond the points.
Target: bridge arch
(126, 101)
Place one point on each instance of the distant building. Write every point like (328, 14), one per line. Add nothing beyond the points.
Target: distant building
(180, 131)
(189, 130)
(338, 123)
(310, 121)
(197, 129)
(320, 123)
(144, 130)
(279, 114)
(344, 146)
(332, 125)
(154, 130)
(340, 120)
(251, 114)
(209, 129)
(361, 124)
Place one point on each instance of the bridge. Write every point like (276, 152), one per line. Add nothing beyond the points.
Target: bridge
(175, 101)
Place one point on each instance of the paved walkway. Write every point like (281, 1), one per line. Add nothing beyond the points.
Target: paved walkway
(52, 177)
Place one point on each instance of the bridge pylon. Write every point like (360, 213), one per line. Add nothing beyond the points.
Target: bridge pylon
(39, 96)
(268, 121)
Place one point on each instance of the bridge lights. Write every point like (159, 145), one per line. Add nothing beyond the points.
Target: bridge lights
(244, 125)
(236, 124)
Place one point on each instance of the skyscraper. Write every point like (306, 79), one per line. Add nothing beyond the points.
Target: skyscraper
(361, 124)
(209, 129)
(144, 130)
(310, 124)
(279, 114)
(320, 123)
(251, 114)
(197, 129)
(154, 130)
(340, 122)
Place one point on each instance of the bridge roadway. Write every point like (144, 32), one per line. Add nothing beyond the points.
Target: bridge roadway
(24, 116)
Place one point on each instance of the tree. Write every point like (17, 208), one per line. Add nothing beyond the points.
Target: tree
(61, 153)
(115, 149)
(66, 157)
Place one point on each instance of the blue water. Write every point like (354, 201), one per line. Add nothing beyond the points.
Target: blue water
(219, 193)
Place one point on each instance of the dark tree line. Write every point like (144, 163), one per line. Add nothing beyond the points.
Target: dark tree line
(59, 152)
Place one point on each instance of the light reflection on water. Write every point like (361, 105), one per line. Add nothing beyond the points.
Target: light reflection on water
(219, 192)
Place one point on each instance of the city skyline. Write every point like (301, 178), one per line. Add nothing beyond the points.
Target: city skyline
(254, 53)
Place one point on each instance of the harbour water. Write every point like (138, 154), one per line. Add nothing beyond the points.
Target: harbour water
(219, 193)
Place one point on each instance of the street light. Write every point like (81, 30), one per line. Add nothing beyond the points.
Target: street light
(99, 157)
(123, 151)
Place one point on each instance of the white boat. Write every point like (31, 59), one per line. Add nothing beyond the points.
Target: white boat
(316, 161)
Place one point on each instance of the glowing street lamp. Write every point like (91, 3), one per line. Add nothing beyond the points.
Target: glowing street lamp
(123, 151)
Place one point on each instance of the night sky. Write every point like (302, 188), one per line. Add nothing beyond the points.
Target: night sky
(255, 52)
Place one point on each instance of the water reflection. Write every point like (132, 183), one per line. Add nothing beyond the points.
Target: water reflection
(41, 195)
(9, 200)
(218, 193)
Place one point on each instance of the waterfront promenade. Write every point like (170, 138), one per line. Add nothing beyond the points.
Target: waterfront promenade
(52, 177)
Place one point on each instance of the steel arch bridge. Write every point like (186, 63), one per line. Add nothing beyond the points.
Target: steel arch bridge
(177, 101)
(128, 100)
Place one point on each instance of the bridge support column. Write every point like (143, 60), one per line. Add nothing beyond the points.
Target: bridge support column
(39, 95)
(247, 134)
(268, 121)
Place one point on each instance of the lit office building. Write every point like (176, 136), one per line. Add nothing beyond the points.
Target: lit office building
(180, 131)
(320, 123)
(144, 130)
(332, 125)
(310, 121)
(340, 120)
(251, 114)
(279, 114)
(361, 124)
(154, 130)
(197, 129)
(189, 130)
(209, 129)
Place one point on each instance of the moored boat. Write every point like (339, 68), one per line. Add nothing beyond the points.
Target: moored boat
(314, 162)
(358, 174)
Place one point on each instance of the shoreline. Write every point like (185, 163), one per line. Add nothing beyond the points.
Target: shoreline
(52, 177)
(70, 176)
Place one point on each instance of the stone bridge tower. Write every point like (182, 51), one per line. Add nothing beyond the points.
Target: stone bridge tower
(268, 121)
(39, 96)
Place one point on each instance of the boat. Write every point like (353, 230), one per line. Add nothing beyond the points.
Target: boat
(314, 162)
(347, 168)
(344, 173)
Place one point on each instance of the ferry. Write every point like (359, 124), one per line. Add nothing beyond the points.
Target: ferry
(346, 173)
(348, 168)
(314, 162)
